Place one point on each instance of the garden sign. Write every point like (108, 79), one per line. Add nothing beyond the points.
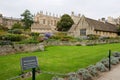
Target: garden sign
(29, 63)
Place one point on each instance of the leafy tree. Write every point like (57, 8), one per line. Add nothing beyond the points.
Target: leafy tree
(65, 23)
(27, 19)
(17, 26)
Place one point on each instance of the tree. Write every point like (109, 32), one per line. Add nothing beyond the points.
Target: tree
(17, 26)
(27, 19)
(65, 23)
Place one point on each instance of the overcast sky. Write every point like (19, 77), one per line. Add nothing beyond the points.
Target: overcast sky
(90, 8)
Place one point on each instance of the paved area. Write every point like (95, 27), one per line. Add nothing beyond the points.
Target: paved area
(114, 74)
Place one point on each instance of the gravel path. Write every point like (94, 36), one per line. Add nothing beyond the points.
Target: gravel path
(114, 74)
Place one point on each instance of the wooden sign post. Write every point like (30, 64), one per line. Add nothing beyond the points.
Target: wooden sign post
(29, 63)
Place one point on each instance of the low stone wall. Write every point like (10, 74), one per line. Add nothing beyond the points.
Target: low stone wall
(82, 43)
(11, 49)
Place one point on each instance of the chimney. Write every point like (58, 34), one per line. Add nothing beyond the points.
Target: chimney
(78, 15)
(103, 20)
(72, 13)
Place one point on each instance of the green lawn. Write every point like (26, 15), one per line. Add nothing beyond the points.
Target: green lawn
(62, 59)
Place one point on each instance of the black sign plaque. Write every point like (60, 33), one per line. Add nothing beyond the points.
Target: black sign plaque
(29, 62)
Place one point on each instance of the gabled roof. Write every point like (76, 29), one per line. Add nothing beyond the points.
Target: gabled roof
(101, 26)
(97, 25)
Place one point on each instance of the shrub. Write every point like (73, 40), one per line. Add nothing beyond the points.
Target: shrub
(12, 37)
(28, 41)
(85, 74)
(114, 60)
(104, 38)
(48, 35)
(40, 39)
(92, 37)
(101, 67)
(15, 31)
(34, 34)
(17, 26)
(55, 37)
(92, 70)
(57, 78)
(6, 43)
(116, 54)
(72, 76)
(66, 38)
(105, 62)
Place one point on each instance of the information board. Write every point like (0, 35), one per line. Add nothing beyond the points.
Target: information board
(29, 62)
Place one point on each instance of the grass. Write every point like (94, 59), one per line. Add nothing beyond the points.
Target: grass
(62, 59)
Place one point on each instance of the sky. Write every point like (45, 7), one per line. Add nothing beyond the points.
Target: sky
(90, 8)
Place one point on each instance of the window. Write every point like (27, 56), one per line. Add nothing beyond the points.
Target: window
(83, 32)
(43, 21)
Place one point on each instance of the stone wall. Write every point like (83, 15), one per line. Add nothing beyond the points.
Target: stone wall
(82, 43)
(11, 49)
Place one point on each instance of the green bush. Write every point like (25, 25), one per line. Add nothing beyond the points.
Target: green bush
(34, 34)
(29, 41)
(17, 26)
(92, 36)
(66, 38)
(62, 37)
(12, 37)
(15, 31)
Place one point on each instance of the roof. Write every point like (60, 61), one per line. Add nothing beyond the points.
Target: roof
(40, 26)
(102, 26)
(97, 25)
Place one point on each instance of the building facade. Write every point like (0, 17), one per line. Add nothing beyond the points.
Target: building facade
(87, 26)
(83, 26)
(44, 23)
(8, 21)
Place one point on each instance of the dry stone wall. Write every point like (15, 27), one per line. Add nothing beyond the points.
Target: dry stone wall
(11, 49)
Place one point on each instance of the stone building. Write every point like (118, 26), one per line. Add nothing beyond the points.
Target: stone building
(44, 23)
(86, 26)
(8, 21)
